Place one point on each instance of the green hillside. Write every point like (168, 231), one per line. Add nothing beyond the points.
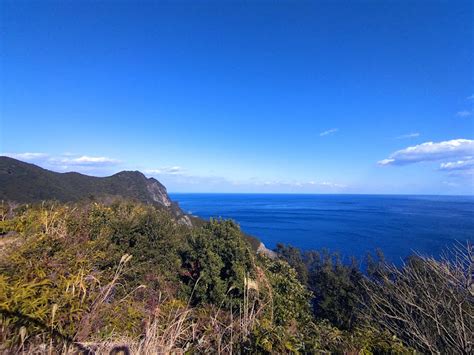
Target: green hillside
(23, 182)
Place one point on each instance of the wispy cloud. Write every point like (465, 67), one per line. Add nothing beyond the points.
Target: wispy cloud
(457, 149)
(300, 184)
(464, 113)
(296, 185)
(329, 131)
(168, 170)
(86, 160)
(408, 135)
(26, 156)
(457, 165)
(179, 179)
(328, 184)
(450, 184)
(66, 161)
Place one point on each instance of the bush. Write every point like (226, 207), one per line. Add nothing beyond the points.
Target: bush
(427, 303)
(216, 263)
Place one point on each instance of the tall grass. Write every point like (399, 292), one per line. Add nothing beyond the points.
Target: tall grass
(173, 327)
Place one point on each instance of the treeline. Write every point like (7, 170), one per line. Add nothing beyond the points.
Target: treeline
(98, 278)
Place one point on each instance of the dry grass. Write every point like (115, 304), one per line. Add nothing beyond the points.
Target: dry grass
(173, 328)
(429, 302)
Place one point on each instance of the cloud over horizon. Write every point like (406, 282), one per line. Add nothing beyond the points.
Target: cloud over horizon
(455, 149)
(212, 183)
(458, 165)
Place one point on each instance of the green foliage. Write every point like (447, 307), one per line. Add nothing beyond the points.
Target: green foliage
(268, 338)
(295, 258)
(290, 298)
(285, 323)
(336, 286)
(216, 262)
(150, 235)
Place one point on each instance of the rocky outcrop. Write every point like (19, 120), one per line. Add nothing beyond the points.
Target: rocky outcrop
(262, 249)
(158, 192)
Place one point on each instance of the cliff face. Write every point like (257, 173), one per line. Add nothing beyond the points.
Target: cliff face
(158, 192)
(26, 183)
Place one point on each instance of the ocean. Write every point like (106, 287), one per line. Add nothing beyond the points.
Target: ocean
(349, 224)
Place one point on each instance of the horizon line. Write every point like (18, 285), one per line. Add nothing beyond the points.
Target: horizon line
(314, 193)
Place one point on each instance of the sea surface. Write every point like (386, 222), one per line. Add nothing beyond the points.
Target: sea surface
(349, 224)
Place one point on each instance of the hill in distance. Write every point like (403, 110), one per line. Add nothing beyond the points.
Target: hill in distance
(28, 183)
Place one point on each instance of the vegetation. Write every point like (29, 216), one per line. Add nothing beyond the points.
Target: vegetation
(96, 277)
(337, 287)
(426, 303)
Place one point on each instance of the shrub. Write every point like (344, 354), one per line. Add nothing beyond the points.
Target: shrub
(427, 303)
(216, 263)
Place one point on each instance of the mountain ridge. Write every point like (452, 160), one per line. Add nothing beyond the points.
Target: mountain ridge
(24, 182)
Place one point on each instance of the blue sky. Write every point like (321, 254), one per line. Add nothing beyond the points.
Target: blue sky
(228, 96)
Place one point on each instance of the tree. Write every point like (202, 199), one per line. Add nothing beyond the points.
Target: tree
(336, 286)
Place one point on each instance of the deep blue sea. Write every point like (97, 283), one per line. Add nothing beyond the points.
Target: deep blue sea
(350, 224)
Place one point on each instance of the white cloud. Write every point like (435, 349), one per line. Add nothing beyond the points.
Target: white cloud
(408, 135)
(328, 184)
(329, 131)
(459, 169)
(464, 113)
(67, 161)
(202, 183)
(305, 185)
(385, 161)
(168, 170)
(430, 151)
(89, 160)
(458, 165)
(26, 156)
(81, 162)
(450, 184)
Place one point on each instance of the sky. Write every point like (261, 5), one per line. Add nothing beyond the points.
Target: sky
(244, 96)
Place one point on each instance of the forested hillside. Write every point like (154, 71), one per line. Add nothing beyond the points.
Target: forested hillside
(26, 183)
